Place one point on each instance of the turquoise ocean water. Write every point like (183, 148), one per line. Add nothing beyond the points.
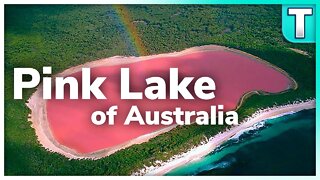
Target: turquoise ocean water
(281, 146)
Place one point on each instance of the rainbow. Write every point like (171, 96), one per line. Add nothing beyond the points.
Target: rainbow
(124, 16)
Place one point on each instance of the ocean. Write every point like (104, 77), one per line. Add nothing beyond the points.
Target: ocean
(283, 145)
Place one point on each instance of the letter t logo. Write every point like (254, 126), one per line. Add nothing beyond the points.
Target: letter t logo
(300, 14)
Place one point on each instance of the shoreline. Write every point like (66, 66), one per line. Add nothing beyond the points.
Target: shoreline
(205, 148)
(40, 123)
(299, 51)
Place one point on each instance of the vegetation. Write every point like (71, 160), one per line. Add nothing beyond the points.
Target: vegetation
(68, 35)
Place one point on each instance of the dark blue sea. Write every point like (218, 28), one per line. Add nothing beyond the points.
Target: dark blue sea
(280, 146)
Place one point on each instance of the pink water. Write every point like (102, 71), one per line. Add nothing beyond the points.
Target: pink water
(234, 75)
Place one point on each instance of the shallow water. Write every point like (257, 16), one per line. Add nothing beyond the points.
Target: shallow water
(281, 146)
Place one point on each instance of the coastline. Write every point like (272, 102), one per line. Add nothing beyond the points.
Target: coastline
(299, 51)
(205, 148)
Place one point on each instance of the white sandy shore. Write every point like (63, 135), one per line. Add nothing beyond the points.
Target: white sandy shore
(207, 147)
(299, 51)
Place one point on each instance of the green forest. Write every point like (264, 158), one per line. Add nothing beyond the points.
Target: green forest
(63, 36)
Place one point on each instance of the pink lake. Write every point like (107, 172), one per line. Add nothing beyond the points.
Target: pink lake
(235, 74)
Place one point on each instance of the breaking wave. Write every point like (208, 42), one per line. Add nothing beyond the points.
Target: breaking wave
(242, 135)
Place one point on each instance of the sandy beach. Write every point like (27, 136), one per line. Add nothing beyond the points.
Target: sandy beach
(204, 149)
